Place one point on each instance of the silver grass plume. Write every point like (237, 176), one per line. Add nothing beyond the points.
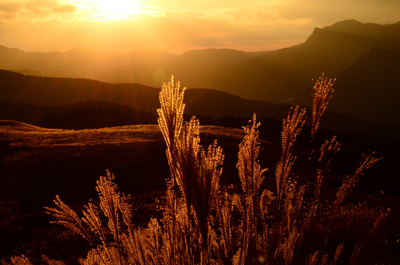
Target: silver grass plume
(170, 115)
(197, 173)
(251, 178)
(323, 90)
(68, 218)
(368, 160)
(291, 128)
(250, 172)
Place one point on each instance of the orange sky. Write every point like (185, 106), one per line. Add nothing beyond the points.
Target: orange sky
(175, 25)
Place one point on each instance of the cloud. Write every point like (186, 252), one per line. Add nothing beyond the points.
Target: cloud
(40, 6)
(65, 9)
(175, 32)
(328, 12)
(8, 10)
(42, 10)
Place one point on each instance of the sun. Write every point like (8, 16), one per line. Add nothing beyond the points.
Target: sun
(113, 9)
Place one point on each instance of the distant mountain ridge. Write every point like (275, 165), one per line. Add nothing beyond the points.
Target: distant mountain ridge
(282, 76)
(139, 66)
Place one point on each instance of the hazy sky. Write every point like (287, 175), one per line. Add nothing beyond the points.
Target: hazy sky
(177, 25)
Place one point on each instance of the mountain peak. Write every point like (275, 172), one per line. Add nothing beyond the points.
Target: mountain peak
(355, 27)
(348, 23)
(4, 48)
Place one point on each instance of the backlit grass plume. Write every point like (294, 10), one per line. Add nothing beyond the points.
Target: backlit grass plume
(171, 112)
(323, 90)
(291, 128)
(251, 178)
(196, 171)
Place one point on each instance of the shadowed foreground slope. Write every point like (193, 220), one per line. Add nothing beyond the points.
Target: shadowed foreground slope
(68, 162)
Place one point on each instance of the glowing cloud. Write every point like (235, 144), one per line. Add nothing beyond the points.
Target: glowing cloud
(8, 10)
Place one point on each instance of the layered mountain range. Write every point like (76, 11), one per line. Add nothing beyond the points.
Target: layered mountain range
(363, 57)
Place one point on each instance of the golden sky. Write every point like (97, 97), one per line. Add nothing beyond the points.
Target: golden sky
(177, 25)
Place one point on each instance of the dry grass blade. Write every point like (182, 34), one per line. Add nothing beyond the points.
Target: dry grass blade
(92, 219)
(313, 258)
(282, 174)
(327, 151)
(250, 172)
(101, 255)
(109, 202)
(17, 260)
(206, 185)
(338, 252)
(171, 112)
(350, 181)
(323, 90)
(185, 158)
(68, 218)
(291, 128)
(251, 178)
(224, 208)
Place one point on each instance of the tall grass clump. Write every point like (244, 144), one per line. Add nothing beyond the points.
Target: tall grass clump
(205, 222)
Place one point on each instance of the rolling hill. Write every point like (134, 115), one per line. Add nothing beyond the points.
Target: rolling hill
(83, 103)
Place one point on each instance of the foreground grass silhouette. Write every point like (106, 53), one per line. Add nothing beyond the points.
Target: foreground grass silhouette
(206, 223)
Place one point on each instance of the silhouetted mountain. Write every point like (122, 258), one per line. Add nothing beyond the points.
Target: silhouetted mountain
(46, 91)
(371, 87)
(284, 75)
